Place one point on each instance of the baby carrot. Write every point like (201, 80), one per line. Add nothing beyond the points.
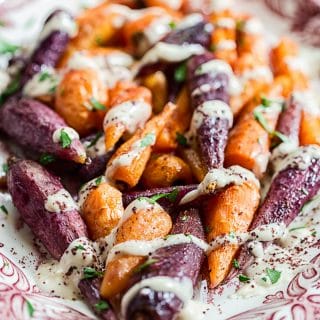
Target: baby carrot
(128, 163)
(309, 129)
(229, 211)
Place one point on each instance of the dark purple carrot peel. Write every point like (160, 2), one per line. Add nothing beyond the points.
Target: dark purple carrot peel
(32, 124)
(30, 185)
(177, 261)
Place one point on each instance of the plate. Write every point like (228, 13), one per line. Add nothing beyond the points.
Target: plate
(20, 253)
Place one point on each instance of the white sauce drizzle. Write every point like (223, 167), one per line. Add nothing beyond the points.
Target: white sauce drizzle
(190, 21)
(56, 136)
(168, 52)
(227, 23)
(219, 178)
(60, 201)
(257, 73)
(217, 66)
(61, 21)
(183, 289)
(226, 45)
(218, 5)
(132, 114)
(97, 149)
(253, 26)
(308, 100)
(157, 29)
(40, 85)
(127, 158)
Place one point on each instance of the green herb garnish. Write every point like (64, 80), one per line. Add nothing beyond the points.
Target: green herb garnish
(80, 247)
(264, 124)
(181, 139)
(172, 25)
(314, 233)
(101, 305)
(207, 229)
(145, 265)
(90, 273)
(4, 209)
(235, 264)
(5, 168)
(171, 196)
(6, 47)
(244, 278)
(65, 140)
(297, 228)
(46, 158)
(44, 75)
(13, 87)
(98, 180)
(273, 275)
(97, 105)
(213, 47)
(30, 308)
(240, 25)
(95, 139)
(264, 279)
(180, 73)
(147, 140)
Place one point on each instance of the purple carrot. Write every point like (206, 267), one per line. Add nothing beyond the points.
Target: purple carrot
(289, 120)
(45, 206)
(89, 288)
(48, 52)
(290, 189)
(168, 203)
(212, 132)
(176, 261)
(32, 124)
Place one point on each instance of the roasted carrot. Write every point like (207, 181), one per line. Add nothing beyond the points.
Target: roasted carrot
(127, 164)
(177, 123)
(145, 224)
(309, 129)
(173, 5)
(130, 109)
(102, 210)
(229, 211)
(166, 170)
(249, 140)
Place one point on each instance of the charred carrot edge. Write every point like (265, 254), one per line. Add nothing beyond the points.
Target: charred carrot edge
(229, 211)
(144, 224)
(142, 140)
(309, 129)
(102, 210)
(123, 92)
(176, 124)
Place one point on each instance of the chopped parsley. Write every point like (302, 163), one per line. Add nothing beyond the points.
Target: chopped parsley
(264, 279)
(46, 158)
(4, 209)
(180, 73)
(13, 87)
(98, 180)
(5, 168)
(30, 308)
(101, 305)
(265, 102)
(273, 275)
(297, 228)
(96, 105)
(240, 25)
(264, 124)
(65, 140)
(95, 139)
(45, 75)
(171, 196)
(235, 264)
(232, 235)
(243, 278)
(6, 47)
(172, 25)
(147, 140)
(80, 247)
(145, 265)
(91, 273)
(181, 139)
(207, 229)
(213, 47)
(314, 233)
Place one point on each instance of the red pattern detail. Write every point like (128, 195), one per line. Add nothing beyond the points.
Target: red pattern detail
(16, 290)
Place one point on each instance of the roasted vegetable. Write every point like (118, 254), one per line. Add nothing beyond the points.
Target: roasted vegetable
(45, 206)
(178, 262)
(295, 183)
(35, 126)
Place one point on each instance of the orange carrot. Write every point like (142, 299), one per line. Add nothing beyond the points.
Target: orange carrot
(124, 92)
(144, 224)
(309, 129)
(177, 123)
(127, 164)
(230, 211)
